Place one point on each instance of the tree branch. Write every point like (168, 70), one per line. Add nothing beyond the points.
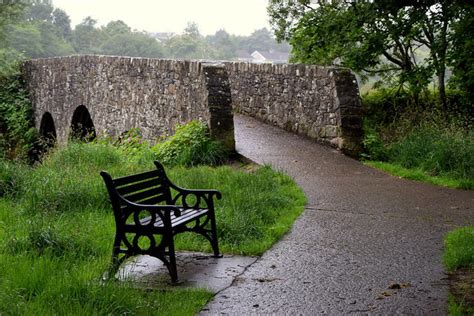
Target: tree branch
(393, 59)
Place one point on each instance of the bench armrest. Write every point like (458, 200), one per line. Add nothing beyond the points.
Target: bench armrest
(200, 194)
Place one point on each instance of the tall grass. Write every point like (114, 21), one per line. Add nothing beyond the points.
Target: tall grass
(57, 228)
(438, 152)
(459, 253)
(421, 136)
(459, 248)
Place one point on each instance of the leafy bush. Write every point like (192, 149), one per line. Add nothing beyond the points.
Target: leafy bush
(393, 114)
(17, 134)
(133, 146)
(374, 148)
(191, 145)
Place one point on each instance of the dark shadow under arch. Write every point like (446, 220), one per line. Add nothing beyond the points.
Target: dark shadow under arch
(46, 138)
(47, 129)
(82, 127)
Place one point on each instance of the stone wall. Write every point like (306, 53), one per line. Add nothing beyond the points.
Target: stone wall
(122, 93)
(319, 102)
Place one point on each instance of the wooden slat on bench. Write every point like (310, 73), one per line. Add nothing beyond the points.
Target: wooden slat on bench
(146, 194)
(186, 215)
(154, 200)
(140, 186)
(135, 178)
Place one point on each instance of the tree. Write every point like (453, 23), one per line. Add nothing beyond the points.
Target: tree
(189, 45)
(86, 38)
(9, 14)
(62, 22)
(132, 44)
(262, 40)
(222, 45)
(192, 30)
(35, 33)
(461, 52)
(116, 27)
(376, 37)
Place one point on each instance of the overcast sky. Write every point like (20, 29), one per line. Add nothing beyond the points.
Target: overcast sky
(240, 17)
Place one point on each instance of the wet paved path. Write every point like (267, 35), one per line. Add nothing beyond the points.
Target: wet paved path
(362, 231)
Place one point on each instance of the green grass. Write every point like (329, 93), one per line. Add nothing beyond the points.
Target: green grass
(57, 228)
(459, 253)
(439, 152)
(420, 139)
(459, 248)
(456, 308)
(421, 175)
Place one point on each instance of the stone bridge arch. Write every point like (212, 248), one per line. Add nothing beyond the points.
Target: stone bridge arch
(47, 129)
(82, 126)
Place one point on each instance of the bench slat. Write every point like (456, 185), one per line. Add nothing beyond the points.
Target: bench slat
(186, 216)
(135, 178)
(140, 186)
(147, 194)
(154, 200)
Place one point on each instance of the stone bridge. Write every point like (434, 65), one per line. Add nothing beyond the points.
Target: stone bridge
(86, 95)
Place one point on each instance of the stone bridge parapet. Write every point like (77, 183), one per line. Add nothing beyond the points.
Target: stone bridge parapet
(116, 94)
(319, 102)
(121, 93)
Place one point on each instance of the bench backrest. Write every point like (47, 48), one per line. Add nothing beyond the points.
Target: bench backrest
(151, 187)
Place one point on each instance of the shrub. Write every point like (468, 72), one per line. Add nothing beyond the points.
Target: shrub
(133, 146)
(17, 134)
(393, 114)
(191, 145)
(420, 134)
(374, 148)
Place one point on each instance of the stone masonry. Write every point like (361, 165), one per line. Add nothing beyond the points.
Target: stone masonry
(121, 93)
(319, 102)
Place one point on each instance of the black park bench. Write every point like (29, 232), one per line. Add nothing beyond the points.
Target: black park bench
(150, 210)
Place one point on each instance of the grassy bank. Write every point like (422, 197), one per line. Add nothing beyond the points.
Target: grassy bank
(57, 229)
(418, 174)
(458, 259)
(420, 140)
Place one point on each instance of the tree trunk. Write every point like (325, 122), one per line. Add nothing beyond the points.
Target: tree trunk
(442, 89)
